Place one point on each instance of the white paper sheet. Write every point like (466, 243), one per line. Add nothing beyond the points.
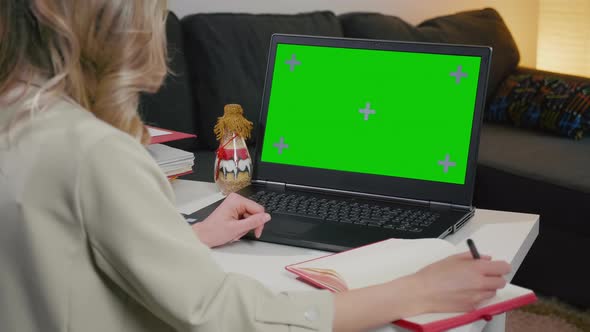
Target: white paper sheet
(157, 132)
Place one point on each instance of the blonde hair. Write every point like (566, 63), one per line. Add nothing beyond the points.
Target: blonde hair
(99, 53)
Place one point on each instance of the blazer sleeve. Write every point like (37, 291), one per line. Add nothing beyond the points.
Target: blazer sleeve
(139, 240)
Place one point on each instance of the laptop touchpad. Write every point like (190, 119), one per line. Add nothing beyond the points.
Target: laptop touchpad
(292, 227)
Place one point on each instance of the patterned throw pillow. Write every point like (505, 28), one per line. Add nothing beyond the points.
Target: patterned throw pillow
(542, 102)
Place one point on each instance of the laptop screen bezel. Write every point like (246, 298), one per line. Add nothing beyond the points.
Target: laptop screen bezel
(369, 183)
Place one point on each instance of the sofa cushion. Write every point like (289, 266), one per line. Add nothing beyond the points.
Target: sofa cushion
(477, 27)
(545, 102)
(228, 55)
(537, 156)
(172, 106)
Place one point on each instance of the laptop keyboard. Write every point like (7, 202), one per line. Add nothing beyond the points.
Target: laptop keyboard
(344, 211)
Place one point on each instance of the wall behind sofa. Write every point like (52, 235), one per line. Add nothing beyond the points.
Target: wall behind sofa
(521, 16)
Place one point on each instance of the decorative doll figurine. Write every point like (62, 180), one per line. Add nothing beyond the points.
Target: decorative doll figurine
(233, 166)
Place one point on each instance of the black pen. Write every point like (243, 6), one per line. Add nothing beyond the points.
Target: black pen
(473, 249)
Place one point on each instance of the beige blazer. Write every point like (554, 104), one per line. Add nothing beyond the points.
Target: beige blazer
(90, 240)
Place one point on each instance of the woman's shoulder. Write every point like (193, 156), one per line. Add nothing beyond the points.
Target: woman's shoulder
(71, 136)
(79, 129)
(97, 146)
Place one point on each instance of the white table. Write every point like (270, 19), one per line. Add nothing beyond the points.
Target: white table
(508, 235)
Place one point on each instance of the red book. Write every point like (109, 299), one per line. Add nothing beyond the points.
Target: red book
(160, 135)
(394, 258)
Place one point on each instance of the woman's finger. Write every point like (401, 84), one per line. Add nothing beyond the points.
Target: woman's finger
(482, 296)
(252, 222)
(494, 268)
(468, 255)
(237, 238)
(258, 231)
(493, 283)
(244, 205)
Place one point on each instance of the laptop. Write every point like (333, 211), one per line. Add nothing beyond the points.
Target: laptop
(364, 140)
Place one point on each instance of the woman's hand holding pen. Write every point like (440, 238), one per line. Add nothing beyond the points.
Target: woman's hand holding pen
(455, 284)
(459, 282)
(222, 225)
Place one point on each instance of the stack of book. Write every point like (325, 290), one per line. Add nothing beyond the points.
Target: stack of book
(173, 162)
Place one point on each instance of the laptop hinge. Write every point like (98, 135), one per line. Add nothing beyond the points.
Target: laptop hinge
(441, 206)
(275, 186)
(447, 206)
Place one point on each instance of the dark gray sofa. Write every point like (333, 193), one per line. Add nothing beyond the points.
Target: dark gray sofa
(221, 58)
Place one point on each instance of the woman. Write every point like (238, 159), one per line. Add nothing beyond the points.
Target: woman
(89, 236)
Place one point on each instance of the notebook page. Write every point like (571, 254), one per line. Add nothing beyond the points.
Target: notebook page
(157, 132)
(383, 261)
(493, 240)
(507, 293)
(165, 154)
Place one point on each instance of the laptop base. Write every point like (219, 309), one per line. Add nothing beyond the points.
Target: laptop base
(334, 236)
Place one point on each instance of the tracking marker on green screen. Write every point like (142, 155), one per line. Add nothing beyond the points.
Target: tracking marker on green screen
(281, 145)
(458, 75)
(447, 163)
(367, 111)
(293, 62)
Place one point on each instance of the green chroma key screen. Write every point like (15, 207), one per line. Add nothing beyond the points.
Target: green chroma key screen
(389, 113)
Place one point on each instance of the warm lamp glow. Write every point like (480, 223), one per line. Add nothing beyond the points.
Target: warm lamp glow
(564, 37)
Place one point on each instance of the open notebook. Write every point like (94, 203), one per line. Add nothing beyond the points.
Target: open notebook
(390, 259)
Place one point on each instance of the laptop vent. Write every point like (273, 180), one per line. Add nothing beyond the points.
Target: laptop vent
(460, 224)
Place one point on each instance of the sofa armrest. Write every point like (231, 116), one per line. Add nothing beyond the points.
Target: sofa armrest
(534, 71)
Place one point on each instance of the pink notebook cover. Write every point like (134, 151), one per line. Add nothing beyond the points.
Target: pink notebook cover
(485, 313)
(160, 135)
